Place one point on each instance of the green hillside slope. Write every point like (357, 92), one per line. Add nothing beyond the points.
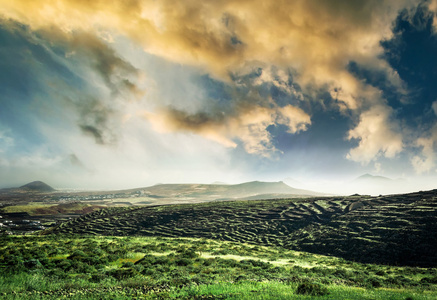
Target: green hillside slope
(396, 230)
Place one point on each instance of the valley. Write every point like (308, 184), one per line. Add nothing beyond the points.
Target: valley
(217, 242)
(394, 230)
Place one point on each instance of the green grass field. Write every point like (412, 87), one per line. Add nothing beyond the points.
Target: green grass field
(94, 267)
(49, 209)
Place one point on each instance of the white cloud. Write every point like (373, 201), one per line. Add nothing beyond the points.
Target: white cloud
(377, 135)
(434, 107)
(425, 161)
(6, 141)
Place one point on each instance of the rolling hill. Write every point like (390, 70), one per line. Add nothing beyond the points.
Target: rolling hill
(37, 186)
(224, 191)
(394, 230)
(160, 194)
(34, 187)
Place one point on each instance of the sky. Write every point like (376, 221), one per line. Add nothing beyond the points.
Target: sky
(122, 94)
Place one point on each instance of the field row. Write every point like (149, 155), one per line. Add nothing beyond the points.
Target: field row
(397, 230)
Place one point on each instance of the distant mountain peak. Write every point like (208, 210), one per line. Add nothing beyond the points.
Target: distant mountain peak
(220, 183)
(37, 186)
(368, 176)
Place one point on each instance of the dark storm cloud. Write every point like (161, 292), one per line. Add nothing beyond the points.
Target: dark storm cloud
(94, 132)
(75, 161)
(112, 69)
(96, 120)
(75, 52)
(98, 115)
(53, 64)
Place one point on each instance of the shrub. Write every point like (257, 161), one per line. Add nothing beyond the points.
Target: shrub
(312, 289)
(32, 264)
(97, 277)
(187, 253)
(77, 255)
(57, 273)
(63, 264)
(14, 264)
(373, 282)
(123, 273)
(430, 280)
(380, 273)
(207, 262)
(149, 271)
(182, 262)
(81, 267)
(128, 264)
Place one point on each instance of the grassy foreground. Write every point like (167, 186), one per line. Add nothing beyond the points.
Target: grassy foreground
(77, 267)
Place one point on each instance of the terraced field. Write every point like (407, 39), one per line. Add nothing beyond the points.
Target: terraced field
(396, 230)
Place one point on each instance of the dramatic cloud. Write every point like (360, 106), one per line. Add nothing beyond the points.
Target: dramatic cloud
(377, 136)
(316, 38)
(425, 162)
(98, 117)
(259, 79)
(248, 125)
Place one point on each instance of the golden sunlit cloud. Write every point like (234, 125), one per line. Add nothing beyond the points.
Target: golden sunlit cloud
(248, 126)
(316, 39)
(375, 137)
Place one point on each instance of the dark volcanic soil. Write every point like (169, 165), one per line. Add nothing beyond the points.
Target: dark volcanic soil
(395, 230)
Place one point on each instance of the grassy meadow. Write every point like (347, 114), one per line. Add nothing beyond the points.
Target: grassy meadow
(96, 267)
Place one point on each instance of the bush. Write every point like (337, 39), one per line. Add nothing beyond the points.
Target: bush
(312, 289)
(123, 273)
(81, 267)
(128, 264)
(97, 277)
(373, 282)
(183, 262)
(32, 264)
(380, 273)
(77, 255)
(187, 253)
(57, 273)
(430, 280)
(14, 264)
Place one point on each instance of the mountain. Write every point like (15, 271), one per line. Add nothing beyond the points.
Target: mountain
(377, 185)
(259, 187)
(293, 182)
(372, 179)
(219, 182)
(159, 194)
(37, 186)
(209, 192)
